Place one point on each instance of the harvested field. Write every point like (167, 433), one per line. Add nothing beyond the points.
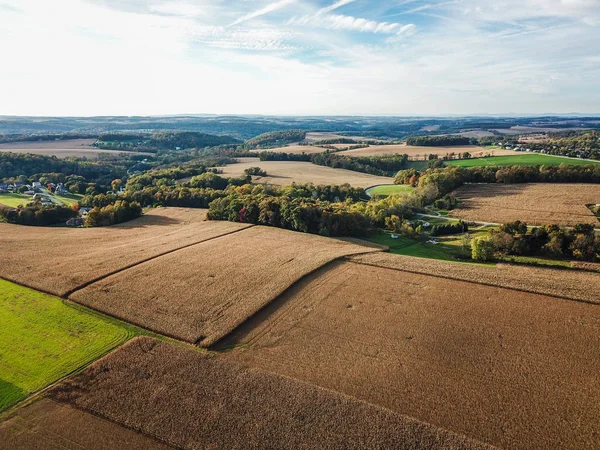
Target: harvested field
(203, 292)
(535, 204)
(60, 149)
(58, 260)
(293, 149)
(189, 400)
(316, 136)
(510, 369)
(570, 284)
(420, 152)
(55, 426)
(287, 172)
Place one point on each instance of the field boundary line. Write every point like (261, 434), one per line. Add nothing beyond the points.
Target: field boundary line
(215, 345)
(137, 263)
(280, 310)
(481, 283)
(40, 394)
(35, 395)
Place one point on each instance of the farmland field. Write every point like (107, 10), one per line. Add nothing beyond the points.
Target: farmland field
(14, 200)
(61, 426)
(285, 173)
(43, 339)
(187, 400)
(58, 260)
(293, 149)
(568, 284)
(508, 368)
(521, 160)
(390, 189)
(68, 199)
(410, 247)
(416, 151)
(60, 149)
(206, 290)
(535, 204)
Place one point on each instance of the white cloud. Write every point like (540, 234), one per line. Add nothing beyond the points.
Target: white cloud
(341, 22)
(259, 39)
(335, 6)
(82, 57)
(266, 10)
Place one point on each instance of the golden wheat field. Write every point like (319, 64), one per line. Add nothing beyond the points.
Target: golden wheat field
(201, 293)
(57, 260)
(185, 399)
(535, 204)
(60, 149)
(512, 369)
(284, 173)
(416, 152)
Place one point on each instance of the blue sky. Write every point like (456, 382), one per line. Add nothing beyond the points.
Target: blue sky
(354, 57)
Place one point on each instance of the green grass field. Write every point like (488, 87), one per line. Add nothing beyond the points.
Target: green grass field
(14, 200)
(520, 160)
(390, 189)
(69, 199)
(409, 247)
(43, 339)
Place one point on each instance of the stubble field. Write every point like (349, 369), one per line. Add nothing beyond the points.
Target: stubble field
(511, 369)
(284, 173)
(574, 285)
(58, 260)
(50, 425)
(420, 152)
(201, 293)
(293, 149)
(535, 204)
(60, 149)
(188, 400)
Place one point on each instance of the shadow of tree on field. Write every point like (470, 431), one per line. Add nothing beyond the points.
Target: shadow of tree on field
(9, 394)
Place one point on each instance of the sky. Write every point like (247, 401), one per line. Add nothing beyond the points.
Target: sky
(299, 57)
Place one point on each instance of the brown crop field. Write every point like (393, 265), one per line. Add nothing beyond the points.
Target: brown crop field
(189, 400)
(284, 173)
(57, 260)
(60, 149)
(535, 204)
(570, 284)
(50, 425)
(202, 292)
(511, 369)
(420, 152)
(293, 149)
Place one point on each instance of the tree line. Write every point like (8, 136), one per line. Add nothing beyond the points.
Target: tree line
(386, 165)
(37, 215)
(450, 178)
(515, 239)
(438, 141)
(118, 212)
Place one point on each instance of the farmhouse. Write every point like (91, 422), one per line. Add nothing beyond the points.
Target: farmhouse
(36, 185)
(61, 189)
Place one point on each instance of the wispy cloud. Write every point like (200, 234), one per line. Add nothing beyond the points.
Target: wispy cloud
(242, 38)
(261, 12)
(335, 6)
(341, 22)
